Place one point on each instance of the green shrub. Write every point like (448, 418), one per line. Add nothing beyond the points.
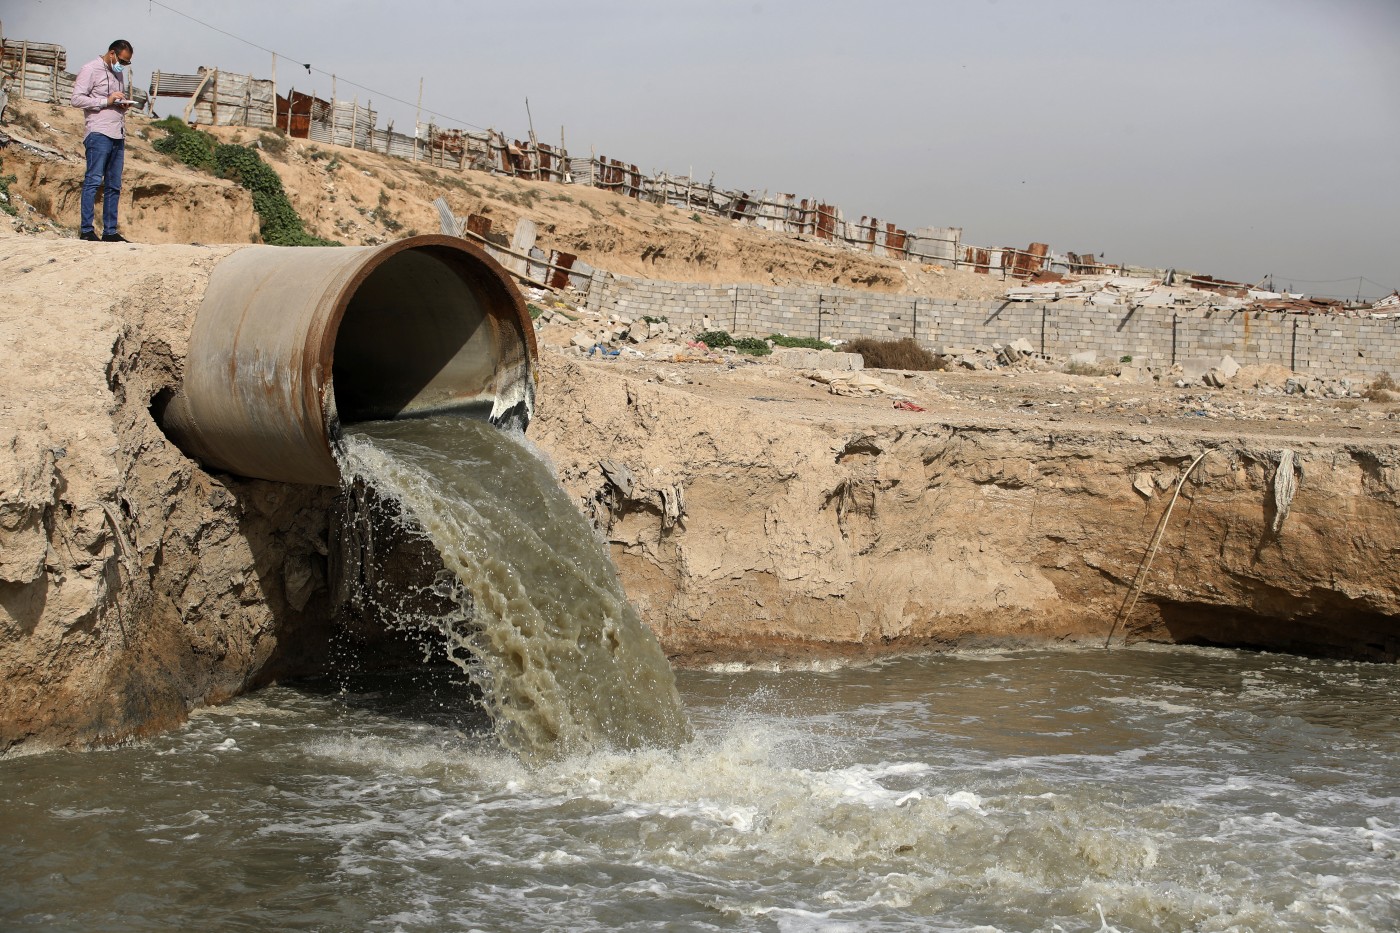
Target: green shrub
(803, 343)
(193, 147)
(714, 339)
(892, 354)
(753, 346)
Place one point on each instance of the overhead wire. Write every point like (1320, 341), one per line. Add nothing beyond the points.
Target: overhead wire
(310, 68)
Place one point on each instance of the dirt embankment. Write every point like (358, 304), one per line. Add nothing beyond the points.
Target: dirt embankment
(133, 584)
(843, 525)
(766, 517)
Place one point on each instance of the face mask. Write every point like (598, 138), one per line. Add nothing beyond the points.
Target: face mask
(117, 68)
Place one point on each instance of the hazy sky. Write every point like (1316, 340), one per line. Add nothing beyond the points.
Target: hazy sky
(1232, 137)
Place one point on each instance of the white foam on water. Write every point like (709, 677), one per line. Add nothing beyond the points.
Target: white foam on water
(790, 812)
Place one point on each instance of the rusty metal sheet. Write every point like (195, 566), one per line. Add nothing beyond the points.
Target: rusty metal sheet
(293, 113)
(479, 225)
(1027, 262)
(897, 241)
(561, 264)
(980, 259)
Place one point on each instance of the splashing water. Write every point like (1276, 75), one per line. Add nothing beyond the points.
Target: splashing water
(562, 658)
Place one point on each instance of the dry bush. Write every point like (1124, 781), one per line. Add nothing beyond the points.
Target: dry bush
(1075, 368)
(1382, 389)
(274, 143)
(43, 203)
(25, 121)
(892, 354)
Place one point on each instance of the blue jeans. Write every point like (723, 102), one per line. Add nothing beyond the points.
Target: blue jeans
(104, 170)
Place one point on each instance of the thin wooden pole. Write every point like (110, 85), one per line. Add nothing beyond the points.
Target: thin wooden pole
(274, 90)
(534, 144)
(417, 118)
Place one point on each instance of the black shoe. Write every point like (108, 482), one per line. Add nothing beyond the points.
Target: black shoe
(89, 236)
(113, 238)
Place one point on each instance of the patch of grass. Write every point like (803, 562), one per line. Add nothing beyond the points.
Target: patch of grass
(525, 197)
(452, 181)
(663, 319)
(753, 346)
(695, 217)
(274, 143)
(804, 343)
(714, 339)
(534, 309)
(892, 354)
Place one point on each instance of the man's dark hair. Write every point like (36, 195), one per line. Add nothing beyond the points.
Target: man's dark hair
(120, 46)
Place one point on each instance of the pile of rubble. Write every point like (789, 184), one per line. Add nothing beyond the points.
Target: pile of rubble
(1018, 354)
(1183, 292)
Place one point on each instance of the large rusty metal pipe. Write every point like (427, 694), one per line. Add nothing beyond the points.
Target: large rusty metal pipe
(292, 342)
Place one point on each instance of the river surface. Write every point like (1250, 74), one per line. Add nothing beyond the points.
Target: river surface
(1139, 789)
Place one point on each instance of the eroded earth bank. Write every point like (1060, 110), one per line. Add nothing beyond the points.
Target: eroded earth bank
(752, 514)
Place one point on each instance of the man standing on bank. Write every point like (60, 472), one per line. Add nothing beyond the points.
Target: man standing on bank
(101, 91)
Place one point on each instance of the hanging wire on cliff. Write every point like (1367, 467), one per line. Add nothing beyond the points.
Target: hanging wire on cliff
(1130, 601)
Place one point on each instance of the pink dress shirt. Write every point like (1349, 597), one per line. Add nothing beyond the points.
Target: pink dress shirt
(94, 85)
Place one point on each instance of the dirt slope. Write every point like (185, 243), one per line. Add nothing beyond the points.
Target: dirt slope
(359, 197)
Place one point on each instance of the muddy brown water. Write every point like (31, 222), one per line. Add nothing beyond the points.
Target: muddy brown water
(1173, 789)
(1126, 790)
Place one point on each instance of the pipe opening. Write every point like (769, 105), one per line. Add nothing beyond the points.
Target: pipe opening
(292, 342)
(417, 337)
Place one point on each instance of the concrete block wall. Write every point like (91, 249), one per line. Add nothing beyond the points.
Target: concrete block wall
(1196, 339)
